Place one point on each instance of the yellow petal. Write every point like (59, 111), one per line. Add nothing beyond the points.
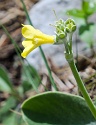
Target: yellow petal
(48, 38)
(27, 50)
(27, 43)
(44, 40)
(29, 32)
(34, 38)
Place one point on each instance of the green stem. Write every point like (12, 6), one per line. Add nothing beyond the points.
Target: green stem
(13, 42)
(26, 12)
(41, 51)
(18, 51)
(70, 41)
(76, 46)
(82, 88)
(49, 71)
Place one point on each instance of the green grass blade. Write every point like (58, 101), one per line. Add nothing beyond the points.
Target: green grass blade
(40, 48)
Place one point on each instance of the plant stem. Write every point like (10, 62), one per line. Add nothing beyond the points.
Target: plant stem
(82, 88)
(18, 51)
(26, 12)
(49, 71)
(76, 46)
(41, 51)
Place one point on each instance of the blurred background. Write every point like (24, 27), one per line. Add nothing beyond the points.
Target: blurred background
(19, 78)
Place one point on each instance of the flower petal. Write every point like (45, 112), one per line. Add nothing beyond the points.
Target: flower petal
(27, 50)
(34, 38)
(27, 43)
(44, 40)
(48, 39)
(28, 31)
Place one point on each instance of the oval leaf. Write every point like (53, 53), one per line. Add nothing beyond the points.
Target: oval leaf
(56, 108)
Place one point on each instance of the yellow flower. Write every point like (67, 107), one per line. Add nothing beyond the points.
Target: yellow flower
(33, 39)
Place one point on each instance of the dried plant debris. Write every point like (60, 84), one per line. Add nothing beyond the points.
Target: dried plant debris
(12, 16)
(65, 81)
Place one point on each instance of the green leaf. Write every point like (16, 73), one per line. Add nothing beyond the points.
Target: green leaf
(87, 33)
(89, 7)
(8, 104)
(30, 78)
(5, 83)
(95, 101)
(84, 28)
(13, 119)
(56, 108)
(10, 120)
(5, 109)
(20, 91)
(76, 13)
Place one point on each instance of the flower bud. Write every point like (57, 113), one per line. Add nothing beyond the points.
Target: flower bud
(60, 31)
(62, 35)
(58, 40)
(70, 25)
